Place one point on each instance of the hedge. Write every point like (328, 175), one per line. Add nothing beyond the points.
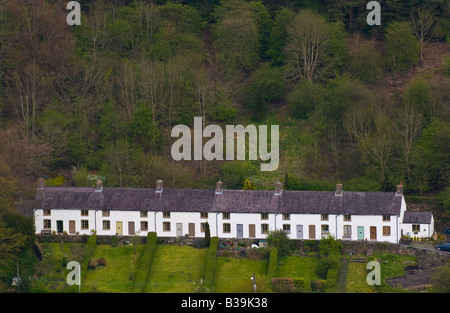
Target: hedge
(211, 261)
(145, 261)
(273, 263)
(90, 248)
(318, 286)
(288, 284)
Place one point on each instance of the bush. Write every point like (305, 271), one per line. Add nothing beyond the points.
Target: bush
(288, 285)
(90, 248)
(258, 254)
(210, 267)
(318, 286)
(273, 263)
(280, 240)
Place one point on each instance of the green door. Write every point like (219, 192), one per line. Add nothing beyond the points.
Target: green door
(360, 232)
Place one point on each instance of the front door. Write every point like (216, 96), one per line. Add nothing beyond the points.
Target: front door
(130, 228)
(191, 229)
(299, 231)
(59, 226)
(240, 230)
(179, 229)
(360, 230)
(373, 233)
(119, 228)
(251, 231)
(312, 231)
(71, 227)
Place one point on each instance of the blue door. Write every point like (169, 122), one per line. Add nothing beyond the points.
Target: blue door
(360, 232)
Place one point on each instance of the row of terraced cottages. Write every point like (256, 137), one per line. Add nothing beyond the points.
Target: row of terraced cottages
(377, 216)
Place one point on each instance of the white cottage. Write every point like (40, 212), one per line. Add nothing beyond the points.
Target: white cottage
(376, 216)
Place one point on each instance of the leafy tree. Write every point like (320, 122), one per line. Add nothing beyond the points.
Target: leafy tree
(143, 132)
(278, 35)
(365, 63)
(279, 239)
(306, 98)
(402, 47)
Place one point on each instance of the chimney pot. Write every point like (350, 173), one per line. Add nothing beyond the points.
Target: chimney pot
(99, 185)
(219, 187)
(399, 190)
(159, 185)
(338, 190)
(278, 188)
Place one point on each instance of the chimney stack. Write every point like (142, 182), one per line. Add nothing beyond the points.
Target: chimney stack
(40, 183)
(338, 191)
(159, 186)
(219, 188)
(99, 186)
(399, 190)
(278, 188)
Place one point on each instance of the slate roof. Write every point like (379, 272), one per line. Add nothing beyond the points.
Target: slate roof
(411, 217)
(233, 201)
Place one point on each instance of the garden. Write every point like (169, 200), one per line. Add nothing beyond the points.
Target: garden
(158, 267)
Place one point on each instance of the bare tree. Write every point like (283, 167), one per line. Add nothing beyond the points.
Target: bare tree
(422, 24)
(308, 38)
(409, 125)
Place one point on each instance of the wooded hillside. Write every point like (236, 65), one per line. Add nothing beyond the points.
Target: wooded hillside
(366, 106)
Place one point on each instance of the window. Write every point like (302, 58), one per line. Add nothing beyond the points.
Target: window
(202, 227)
(325, 229)
(84, 212)
(106, 225)
(386, 218)
(347, 230)
(264, 216)
(324, 217)
(204, 215)
(264, 228)
(166, 226)
(386, 230)
(287, 228)
(347, 217)
(225, 216)
(415, 228)
(227, 228)
(105, 212)
(144, 225)
(166, 214)
(144, 213)
(286, 216)
(84, 224)
(47, 224)
(47, 212)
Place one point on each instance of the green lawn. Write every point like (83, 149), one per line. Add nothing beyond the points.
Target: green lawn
(233, 275)
(390, 265)
(118, 274)
(294, 266)
(175, 268)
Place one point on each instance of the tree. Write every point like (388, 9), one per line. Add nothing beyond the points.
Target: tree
(279, 239)
(423, 25)
(314, 46)
(402, 47)
(207, 235)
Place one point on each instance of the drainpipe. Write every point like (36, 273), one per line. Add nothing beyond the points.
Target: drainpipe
(217, 227)
(397, 227)
(95, 221)
(336, 226)
(154, 217)
(276, 221)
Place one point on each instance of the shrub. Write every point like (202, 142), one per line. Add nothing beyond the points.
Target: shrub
(318, 286)
(288, 285)
(280, 240)
(90, 248)
(210, 267)
(273, 263)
